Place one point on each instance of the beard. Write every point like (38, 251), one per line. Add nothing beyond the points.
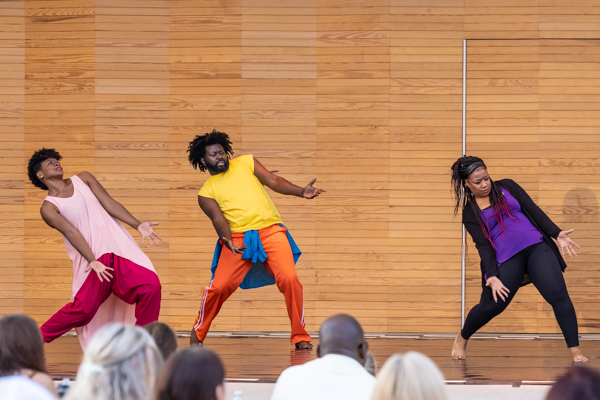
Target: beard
(217, 169)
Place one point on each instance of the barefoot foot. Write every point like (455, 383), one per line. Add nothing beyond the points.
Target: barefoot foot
(304, 345)
(577, 355)
(459, 349)
(194, 339)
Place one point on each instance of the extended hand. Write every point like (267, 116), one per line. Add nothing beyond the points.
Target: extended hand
(310, 192)
(100, 269)
(235, 249)
(565, 242)
(147, 232)
(498, 288)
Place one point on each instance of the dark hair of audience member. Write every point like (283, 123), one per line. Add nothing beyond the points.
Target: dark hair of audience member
(21, 345)
(192, 374)
(164, 337)
(580, 383)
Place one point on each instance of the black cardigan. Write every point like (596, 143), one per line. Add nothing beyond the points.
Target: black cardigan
(548, 229)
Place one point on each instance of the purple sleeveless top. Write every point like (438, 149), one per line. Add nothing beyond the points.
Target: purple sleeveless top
(518, 233)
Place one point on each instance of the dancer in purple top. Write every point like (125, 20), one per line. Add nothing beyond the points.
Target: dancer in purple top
(514, 239)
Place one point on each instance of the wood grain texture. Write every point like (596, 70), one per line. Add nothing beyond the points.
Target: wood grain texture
(364, 95)
(57, 74)
(548, 156)
(12, 135)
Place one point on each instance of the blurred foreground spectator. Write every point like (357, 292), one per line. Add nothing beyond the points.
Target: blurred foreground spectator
(121, 362)
(338, 373)
(22, 352)
(164, 337)
(193, 373)
(412, 376)
(580, 383)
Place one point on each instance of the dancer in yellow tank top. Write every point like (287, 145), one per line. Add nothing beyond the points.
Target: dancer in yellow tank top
(259, 250)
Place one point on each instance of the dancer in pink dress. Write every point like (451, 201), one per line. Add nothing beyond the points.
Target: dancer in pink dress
(124, 286)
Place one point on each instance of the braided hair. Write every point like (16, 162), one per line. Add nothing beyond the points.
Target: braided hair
(197, 147)
(461, 170)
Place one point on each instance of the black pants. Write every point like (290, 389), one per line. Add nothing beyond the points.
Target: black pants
(540, 263)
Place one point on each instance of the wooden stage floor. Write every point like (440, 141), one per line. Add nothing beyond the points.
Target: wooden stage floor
(491, 359)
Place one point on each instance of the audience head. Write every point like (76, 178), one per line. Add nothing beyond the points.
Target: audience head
(371, 364)
(121, 362)
(164, 337)
(193, 373)
(21, 345)
(342, 334)
(580, 383)
(412, 376)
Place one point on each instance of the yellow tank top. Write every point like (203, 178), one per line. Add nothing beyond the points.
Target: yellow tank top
(241, 197)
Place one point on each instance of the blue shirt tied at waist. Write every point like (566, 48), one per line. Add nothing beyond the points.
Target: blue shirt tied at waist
(258, 275)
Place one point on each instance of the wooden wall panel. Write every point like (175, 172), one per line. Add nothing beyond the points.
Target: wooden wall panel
(205, 93)
(503, 129)
(425, 139)
(365, 96)
(132, 117)
(569, 145)
(279, 128)
(59, 113)
(531, 116)
(509, 19)
(12, 163)
(353, 156)
(577, 19)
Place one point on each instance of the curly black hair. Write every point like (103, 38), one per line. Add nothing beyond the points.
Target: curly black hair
(197, 147)
(35, 163)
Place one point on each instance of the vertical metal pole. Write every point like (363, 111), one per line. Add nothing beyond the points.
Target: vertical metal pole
(464, 149)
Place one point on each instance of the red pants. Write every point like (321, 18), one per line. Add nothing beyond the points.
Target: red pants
(232, 269)
(131, 283)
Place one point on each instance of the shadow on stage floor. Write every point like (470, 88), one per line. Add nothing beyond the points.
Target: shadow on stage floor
(491, 359)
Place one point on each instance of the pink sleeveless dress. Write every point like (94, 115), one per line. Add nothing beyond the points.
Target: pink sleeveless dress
(104, 234)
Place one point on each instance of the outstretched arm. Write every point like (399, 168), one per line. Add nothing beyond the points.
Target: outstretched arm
(53, 218)
(116, 209)
(280, 185)
(212, 210)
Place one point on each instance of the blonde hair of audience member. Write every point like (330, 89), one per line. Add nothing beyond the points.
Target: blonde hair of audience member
(22, 350)
(412, 376)
(121, 362)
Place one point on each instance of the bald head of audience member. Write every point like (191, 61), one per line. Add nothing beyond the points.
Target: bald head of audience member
(342, 334)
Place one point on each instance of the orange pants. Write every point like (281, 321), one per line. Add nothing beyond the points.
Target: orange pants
(232, 269)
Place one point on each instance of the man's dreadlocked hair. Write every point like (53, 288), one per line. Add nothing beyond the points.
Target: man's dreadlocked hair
(35, 163)
(461, 170)
(197, 147)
